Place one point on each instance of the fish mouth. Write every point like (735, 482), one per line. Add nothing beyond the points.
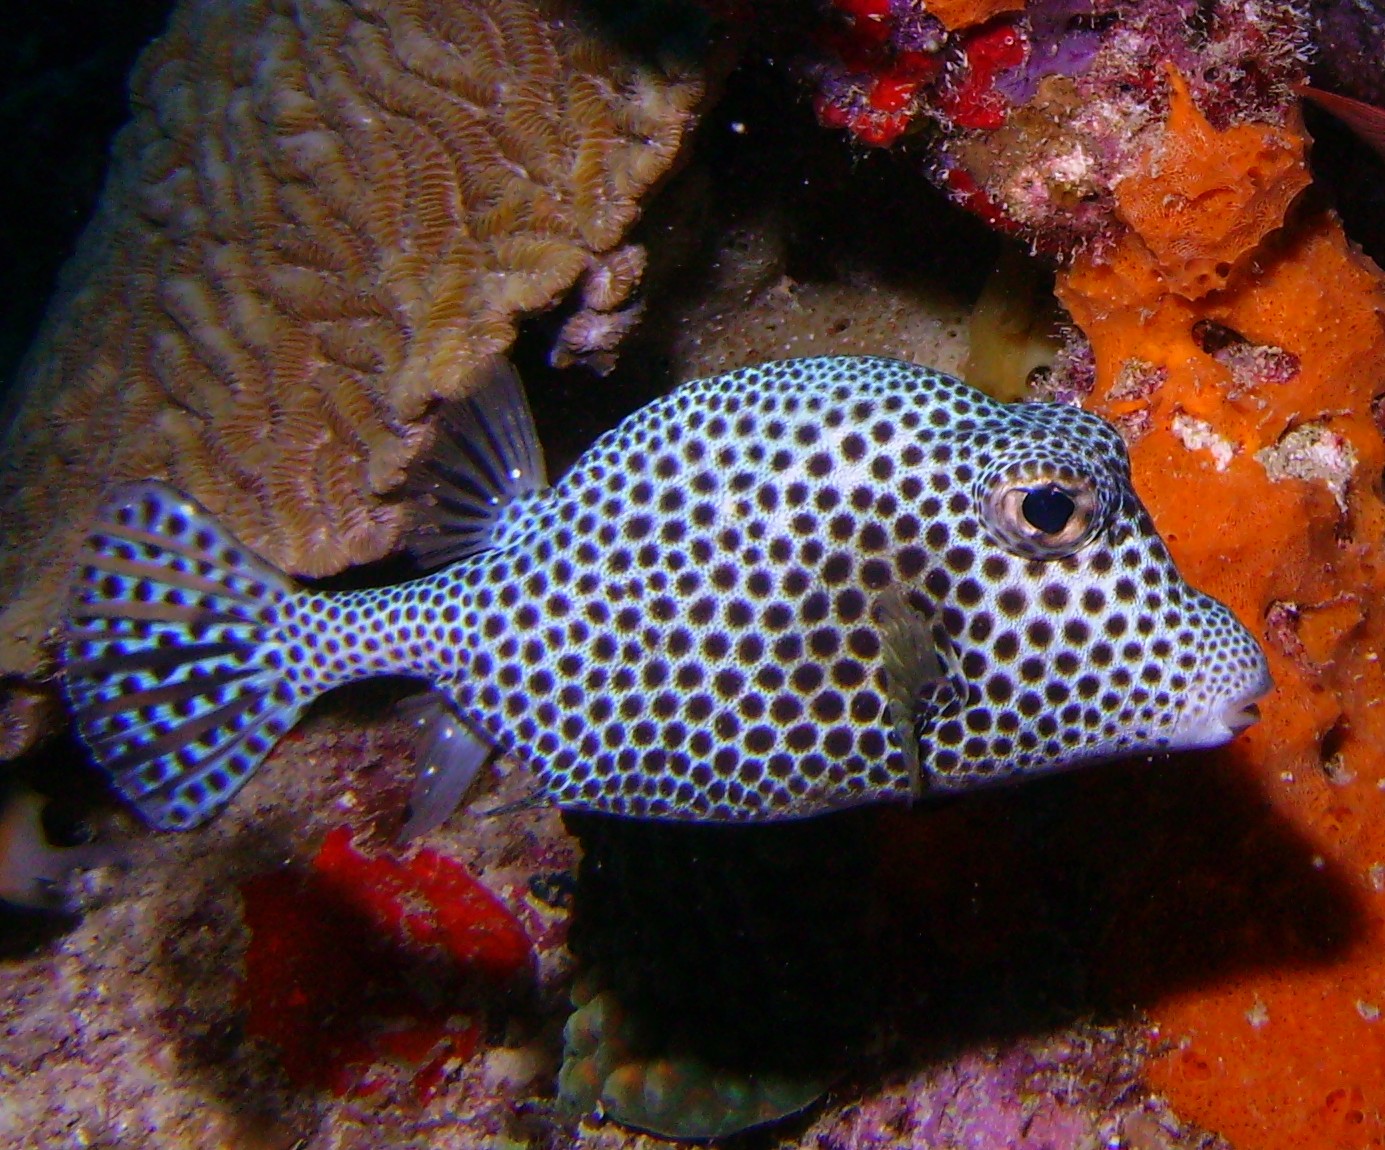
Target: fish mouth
(1243, 712)
(1239, 716)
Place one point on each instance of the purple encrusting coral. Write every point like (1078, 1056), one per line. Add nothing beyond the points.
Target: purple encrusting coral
(1056, 1094)
(1350, 39)
(1064, 38)
(914, 29)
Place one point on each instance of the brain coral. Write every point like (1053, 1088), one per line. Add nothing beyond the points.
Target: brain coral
(323, 215)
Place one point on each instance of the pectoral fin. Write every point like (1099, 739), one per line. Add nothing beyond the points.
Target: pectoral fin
(923, 675)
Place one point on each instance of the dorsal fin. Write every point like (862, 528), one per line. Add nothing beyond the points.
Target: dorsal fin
(486, 455)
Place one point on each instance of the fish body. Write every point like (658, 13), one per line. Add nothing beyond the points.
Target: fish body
(776, 592)
(1366, 120)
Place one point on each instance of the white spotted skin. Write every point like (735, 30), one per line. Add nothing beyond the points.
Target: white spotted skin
(685, 625)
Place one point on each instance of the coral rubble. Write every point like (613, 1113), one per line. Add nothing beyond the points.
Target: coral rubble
(1037, 1095)
(321, 218)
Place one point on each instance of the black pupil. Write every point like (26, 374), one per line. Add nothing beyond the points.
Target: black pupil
(1048, 509)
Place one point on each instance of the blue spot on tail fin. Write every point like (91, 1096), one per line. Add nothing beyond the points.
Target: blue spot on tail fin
(486, 455)
(170, 656)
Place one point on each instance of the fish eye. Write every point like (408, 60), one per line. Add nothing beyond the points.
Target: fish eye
(1045, 517)
(1048, 509)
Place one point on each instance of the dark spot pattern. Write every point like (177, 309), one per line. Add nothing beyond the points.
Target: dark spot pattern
(688, 624)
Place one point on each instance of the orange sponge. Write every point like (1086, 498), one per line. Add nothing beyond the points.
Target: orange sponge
(1262, 348)
(1203, 199)
(956, 14)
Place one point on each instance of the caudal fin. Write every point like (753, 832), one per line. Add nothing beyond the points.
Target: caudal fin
(170, 656)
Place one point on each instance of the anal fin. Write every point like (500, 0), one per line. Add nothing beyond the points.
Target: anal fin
(449, 756)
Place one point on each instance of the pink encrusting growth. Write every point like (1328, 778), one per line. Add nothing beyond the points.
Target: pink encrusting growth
(892, 64)
(1033, 114)
(358, 967)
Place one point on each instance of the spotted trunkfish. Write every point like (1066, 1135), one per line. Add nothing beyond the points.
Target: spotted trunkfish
(780, 591)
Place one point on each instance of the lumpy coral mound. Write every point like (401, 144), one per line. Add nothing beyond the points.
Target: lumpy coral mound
(323, 216)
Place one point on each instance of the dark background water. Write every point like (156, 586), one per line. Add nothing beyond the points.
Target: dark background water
(63, 71)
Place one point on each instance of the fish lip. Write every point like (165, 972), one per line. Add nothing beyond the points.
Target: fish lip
(1239, 716)
(1243, 712)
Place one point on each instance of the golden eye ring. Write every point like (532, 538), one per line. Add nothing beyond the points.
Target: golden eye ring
(1043, 517)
